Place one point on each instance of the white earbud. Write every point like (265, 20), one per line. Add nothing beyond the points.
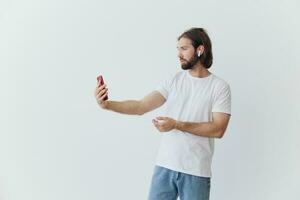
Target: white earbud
(199, 53)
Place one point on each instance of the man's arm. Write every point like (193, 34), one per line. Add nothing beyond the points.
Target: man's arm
(216, 128)
(136, 107)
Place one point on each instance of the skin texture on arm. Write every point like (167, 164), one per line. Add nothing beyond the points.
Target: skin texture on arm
(215, 129)
(135, 107)
(151, 102)
(130, 107)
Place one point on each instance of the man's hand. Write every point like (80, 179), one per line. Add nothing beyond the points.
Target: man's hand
(100, 94)
(164, 124)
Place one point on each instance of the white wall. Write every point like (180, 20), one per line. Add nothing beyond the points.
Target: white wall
(56, 143)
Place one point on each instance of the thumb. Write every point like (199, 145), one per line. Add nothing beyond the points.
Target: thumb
(160, 118)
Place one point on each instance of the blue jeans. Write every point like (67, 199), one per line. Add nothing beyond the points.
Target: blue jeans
(167, 184)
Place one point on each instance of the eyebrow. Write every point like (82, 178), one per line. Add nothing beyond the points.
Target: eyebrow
(182, 46)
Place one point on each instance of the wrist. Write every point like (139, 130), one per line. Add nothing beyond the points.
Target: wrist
(104, 105)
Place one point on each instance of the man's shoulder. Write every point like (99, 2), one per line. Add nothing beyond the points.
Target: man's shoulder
(220, 82)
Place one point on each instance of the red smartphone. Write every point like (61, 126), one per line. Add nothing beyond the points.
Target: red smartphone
(101, 81)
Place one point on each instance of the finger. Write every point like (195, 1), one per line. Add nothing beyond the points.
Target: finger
(154, 120)
(157, 127)
(103, 88)
(155, 123)
(97, 90)
(103, 94)
(103, 97)
(161, 118)
(159, 122)
(100, 87)
(102, 91)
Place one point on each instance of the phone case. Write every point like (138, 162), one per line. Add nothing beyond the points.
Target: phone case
(101, 81)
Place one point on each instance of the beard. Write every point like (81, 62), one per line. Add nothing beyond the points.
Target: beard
(189, 64)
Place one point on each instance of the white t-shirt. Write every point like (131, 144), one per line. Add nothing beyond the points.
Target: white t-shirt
(191, 99)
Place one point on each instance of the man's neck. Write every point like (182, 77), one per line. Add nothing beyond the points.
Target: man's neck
(199, 71)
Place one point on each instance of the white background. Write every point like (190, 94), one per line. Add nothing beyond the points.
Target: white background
(56, 143)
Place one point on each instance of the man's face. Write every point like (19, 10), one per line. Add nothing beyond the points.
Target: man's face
(186, 53)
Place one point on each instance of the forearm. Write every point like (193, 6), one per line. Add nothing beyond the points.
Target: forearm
(130, 107)
(205, 129)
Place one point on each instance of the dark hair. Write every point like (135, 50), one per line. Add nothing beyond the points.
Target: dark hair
(199, 36)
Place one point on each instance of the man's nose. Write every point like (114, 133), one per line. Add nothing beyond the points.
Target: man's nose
(179, 55)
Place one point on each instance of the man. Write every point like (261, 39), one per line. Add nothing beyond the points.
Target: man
(198, 109)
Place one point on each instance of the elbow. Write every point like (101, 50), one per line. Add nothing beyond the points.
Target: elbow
(220, 134)
(140, 108)
(141, 113)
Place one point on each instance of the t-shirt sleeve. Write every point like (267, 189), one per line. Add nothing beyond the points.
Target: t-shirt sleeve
(164, 87)
(222, 100)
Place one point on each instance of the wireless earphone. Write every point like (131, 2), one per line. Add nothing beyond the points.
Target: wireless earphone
(199, 53)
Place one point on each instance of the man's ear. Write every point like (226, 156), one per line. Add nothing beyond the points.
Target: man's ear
(201, 49)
